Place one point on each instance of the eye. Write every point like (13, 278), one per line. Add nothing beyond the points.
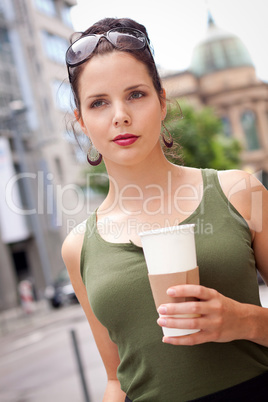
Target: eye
(137, 95)
(97, 103)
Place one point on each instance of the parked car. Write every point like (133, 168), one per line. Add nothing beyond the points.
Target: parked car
(61, 293)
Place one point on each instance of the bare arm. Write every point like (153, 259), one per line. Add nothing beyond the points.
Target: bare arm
(250, 198)
(71, 251)
(222, 319)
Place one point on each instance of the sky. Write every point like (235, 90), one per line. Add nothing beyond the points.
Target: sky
(176, 26)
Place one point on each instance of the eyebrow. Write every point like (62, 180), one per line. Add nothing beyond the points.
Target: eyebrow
(96, 96)
(125, 90)
(136, 86)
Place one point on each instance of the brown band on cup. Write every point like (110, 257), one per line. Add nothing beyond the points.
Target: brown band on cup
(160, 284)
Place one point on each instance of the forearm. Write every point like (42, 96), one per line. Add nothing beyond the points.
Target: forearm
(113, 392)
(256, 324)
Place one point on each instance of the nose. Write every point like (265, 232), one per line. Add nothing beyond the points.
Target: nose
(121, 116)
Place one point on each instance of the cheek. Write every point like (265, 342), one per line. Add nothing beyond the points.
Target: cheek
(159, 115)
(96, 131)
(93, 124)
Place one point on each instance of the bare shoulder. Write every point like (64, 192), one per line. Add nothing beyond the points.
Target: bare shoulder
(238, 179)
(246, 193)
(72, 246)
(238, 184)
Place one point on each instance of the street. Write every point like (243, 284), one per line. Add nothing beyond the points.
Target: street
(38, 362)
(40, 365)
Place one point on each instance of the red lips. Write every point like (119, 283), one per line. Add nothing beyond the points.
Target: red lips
(125, 139)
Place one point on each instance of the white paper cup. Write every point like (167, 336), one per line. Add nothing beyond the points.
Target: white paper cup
(170, 251)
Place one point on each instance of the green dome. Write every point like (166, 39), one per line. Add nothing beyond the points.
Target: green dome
(219, 50)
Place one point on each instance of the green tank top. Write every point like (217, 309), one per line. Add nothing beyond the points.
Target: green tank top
(119, 293)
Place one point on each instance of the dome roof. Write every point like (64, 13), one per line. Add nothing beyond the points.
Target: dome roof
(219, 50)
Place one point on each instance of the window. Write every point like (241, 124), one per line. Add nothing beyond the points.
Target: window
(62, 95)
(227, 127)
(55, 47)
(66, 15)
(248, 120)
(5, 47)
(46, 6)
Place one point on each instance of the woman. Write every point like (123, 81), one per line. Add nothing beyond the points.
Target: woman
(120, 106)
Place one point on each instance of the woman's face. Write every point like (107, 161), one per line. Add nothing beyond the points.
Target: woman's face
(120, 109)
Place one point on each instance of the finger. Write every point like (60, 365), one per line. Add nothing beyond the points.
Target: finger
(197, 291)
(180, 323)
(202, 323)
(190, 307)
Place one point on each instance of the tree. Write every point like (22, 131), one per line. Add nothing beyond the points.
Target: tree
(98, 178)
(202, 141)
(202, 144)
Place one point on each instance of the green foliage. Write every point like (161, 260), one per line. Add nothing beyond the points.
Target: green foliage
(97, 178)
(200, 134)
(203, 145)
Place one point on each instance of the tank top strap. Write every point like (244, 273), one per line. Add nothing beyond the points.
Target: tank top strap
(91, 223)
(212, 191)
(215, 199)
(210, 178)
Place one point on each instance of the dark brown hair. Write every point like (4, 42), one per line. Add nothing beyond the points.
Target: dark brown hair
(104, 46)
(144, 56)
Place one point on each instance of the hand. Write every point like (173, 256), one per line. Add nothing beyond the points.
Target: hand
(219, 318)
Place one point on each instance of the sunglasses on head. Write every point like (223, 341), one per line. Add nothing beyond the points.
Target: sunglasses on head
(120, 38)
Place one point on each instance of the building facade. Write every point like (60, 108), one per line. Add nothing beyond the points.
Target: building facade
(222, 76)
(38, 165)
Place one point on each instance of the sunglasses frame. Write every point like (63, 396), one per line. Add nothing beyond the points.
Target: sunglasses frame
(122, 30)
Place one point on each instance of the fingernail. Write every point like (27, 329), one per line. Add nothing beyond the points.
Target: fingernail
(171, 292)
(161, 321)
(165, 339)
(162, 310)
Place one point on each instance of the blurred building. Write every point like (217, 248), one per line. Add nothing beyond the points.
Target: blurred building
(37, 164)
(222, 76)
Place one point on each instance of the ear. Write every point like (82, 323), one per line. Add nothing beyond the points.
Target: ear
(80, 121)
(163, 104)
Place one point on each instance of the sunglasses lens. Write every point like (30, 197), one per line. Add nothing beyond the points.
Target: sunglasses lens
(121, 38)
(127, 39)
(81, 49)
